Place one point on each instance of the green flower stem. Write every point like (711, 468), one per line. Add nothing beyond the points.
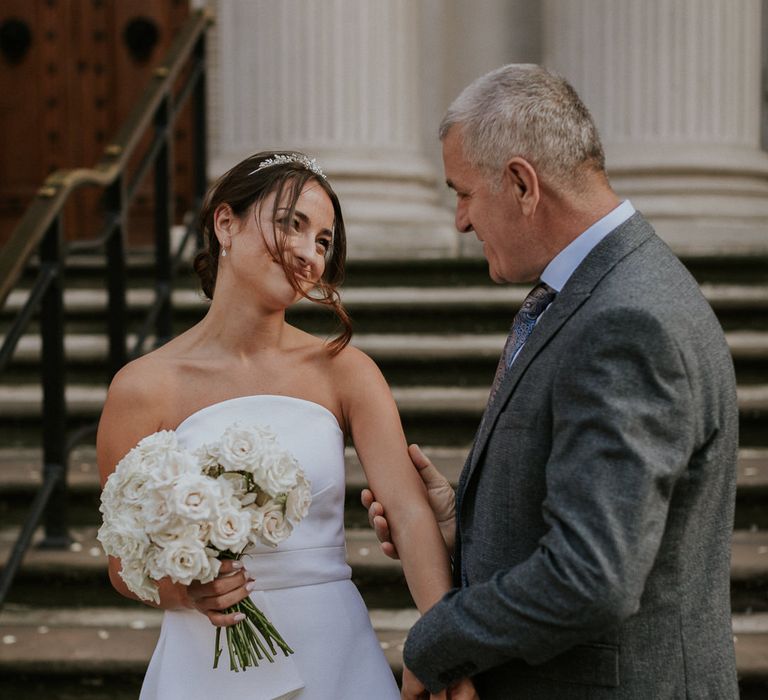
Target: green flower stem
(217, 648)
(247, 641)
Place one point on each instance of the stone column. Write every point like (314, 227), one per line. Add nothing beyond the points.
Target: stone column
(674, 86)
(340, 80)
(461, 41)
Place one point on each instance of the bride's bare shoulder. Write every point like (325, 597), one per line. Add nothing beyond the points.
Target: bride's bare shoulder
(139, 402)
(146, 375)
(353, 368)
(146, 385)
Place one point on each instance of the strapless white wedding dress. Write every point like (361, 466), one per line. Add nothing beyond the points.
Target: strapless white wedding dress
(304, 584)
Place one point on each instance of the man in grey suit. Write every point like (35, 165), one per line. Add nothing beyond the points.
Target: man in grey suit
(594, 511)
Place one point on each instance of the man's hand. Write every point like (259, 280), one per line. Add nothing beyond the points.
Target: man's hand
(463, 690)
(229, 587)
(413, 689)
(442, 500)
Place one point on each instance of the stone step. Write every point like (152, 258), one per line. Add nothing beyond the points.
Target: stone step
(477, 309)
(430, 414)
(433, 359)
(722, 297)
(20, 477)
(749, 555)
(17, 401)
(93, 347)
(750, 636)
(115, 641)
(77, 575)
(428, 271)
(381, 272)
(85, 557)
(95, 300)
(21, 470)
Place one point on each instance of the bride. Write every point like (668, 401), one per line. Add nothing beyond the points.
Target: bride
(275, 235)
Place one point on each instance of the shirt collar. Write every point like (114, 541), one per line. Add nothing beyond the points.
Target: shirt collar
(563, 265)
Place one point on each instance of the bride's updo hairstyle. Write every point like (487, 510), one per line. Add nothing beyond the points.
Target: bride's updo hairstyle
(244, 187)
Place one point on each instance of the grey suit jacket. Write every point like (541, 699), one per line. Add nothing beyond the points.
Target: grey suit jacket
(596, 506)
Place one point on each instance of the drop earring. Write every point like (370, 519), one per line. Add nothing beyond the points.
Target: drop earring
(223, 252)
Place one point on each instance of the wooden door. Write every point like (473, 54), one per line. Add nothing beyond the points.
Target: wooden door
(70, 72)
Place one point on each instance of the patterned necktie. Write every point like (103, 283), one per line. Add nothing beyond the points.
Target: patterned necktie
(523, 324)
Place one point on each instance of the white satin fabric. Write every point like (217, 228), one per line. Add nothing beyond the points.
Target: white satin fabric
(304, 585)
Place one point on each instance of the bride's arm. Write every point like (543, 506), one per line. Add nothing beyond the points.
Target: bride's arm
(374, 425)
(134, 409)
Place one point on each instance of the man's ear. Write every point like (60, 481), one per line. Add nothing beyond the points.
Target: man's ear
(523, 181)
(224, 221)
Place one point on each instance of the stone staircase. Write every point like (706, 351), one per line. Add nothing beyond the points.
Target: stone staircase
(435, 327)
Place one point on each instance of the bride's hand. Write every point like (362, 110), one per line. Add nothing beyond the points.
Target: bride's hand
(463, 690)
(231, 586)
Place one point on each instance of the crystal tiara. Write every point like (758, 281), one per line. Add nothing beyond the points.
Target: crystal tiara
(282, 159)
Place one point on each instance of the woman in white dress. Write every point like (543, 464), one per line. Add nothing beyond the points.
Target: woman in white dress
(275, 234)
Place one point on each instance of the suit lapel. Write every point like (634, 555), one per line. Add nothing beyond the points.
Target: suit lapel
(551, 322)
(600, 261)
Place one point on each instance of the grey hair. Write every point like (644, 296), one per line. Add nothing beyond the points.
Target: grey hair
(528, 111)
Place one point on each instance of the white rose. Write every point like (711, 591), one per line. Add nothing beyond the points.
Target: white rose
(207, 458)
(240, 447)
(156, 513)
(158, 455)
(122, 537)
(110, 494)
(130, 463)
(275, 527)
(135, 577)
(298, 501)
(230, 530)
(151, 565)
(184, 561)
(280, 473)
(178, 528)
(135, 487)
(166, 467)
(257, 523)
(156, 562)
(194, 497)
(157, 443)
(129, 467)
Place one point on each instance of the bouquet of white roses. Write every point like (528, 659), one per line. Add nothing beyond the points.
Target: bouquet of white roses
(172, 513)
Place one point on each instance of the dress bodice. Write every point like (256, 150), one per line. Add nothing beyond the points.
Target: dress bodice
(303, 585)
(315, 551)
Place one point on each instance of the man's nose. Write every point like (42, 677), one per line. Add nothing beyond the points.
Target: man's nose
(463, 224)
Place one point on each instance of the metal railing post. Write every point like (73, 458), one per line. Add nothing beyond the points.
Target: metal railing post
(53, 381)
(117, 312)
(163, 188)
(200, 156)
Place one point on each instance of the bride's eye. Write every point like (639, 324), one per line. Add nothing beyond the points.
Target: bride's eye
(288, 225)
(324, 244)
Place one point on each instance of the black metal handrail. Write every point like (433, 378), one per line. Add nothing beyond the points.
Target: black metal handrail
(40, 231)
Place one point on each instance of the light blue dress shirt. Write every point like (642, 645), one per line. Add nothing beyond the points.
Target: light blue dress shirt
(563, 265)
